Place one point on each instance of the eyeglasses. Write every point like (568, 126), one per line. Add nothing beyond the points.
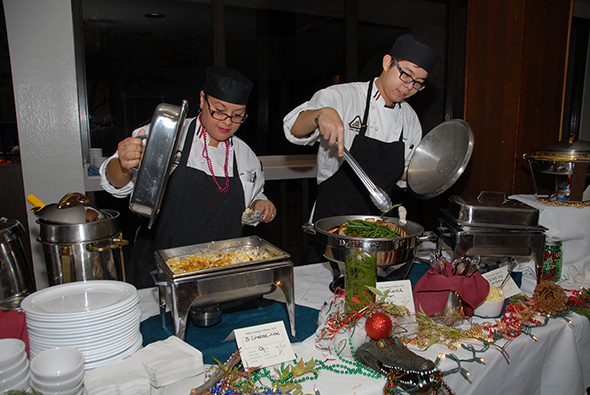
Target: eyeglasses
(408, 79)
(222, 116)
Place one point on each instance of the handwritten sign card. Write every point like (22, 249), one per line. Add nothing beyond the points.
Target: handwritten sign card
(264, 345)
(495, 278)
(400, 293)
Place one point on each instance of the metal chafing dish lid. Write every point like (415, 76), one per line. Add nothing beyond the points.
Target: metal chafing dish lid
(440, 158)
(564, 151)
(484, 211)
(163, 141)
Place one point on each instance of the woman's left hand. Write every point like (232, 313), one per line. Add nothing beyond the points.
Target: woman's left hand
(267, 207)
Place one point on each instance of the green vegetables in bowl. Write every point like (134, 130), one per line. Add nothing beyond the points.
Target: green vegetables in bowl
(362, 228)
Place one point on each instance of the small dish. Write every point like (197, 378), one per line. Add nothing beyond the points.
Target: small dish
(62, 386)
(13, 369)
(15, 379)
(489, 309)
(57, 364)
(11, 351)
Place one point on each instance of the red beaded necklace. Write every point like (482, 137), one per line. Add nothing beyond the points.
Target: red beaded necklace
(205, 155)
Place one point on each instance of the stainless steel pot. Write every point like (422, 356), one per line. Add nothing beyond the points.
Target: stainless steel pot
(393, 256)
(16, 272)
(80, 252)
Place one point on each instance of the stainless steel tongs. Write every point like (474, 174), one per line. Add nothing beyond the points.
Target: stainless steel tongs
(378, 196)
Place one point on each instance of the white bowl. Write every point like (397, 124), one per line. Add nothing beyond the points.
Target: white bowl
(23, 385)
(12, 370)
(489, 309)
(57, 364)
(19, 376)
(11, 351)
(58, 387)
(72, 391)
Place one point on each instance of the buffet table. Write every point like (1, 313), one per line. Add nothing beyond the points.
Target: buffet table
(558, 362)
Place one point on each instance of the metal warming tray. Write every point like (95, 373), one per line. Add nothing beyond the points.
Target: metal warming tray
(218, 246)
(205, 290)
(505, 228)
(163, 142)
(500, 213)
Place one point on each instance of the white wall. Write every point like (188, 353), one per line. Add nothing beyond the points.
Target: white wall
(41, 49)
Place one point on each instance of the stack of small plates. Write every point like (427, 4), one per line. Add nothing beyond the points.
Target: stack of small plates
(100, 318)
(14, 366)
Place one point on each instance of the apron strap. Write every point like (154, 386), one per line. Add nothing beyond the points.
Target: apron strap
(367, 106)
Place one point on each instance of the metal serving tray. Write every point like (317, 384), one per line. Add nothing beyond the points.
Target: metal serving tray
(217, 246)
(486, 212)
(162, 143)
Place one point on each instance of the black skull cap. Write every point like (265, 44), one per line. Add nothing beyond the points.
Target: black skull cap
(415, 50)
(227, 85)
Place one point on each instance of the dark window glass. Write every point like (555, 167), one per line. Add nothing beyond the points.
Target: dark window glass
(139, 54)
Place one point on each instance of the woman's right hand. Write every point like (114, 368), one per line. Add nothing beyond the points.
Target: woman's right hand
(131, 151)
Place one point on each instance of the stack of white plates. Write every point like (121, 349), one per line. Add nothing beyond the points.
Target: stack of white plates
(100, 318)
(14, 366)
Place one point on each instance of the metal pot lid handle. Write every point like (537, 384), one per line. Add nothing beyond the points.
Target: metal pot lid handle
(440, 158)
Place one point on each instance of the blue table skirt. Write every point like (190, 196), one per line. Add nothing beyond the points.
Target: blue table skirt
(210, 340)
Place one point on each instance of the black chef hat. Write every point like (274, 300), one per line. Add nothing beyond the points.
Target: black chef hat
(415, 50)
(227, 85)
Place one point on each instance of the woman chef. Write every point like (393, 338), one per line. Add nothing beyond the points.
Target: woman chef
(217, 178)
(372, 120)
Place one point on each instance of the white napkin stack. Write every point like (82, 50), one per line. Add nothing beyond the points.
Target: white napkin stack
(172, 361)
(123, 377)
(166, 367)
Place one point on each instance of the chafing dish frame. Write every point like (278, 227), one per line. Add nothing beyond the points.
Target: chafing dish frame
(489, 241)
(227, 283)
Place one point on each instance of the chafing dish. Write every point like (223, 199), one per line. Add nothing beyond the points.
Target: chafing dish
(569, 162)
(492, 228)
(208, 288)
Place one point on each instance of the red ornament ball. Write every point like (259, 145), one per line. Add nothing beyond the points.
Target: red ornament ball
(378, 326)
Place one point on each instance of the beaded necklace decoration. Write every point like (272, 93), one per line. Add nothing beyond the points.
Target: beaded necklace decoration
(205, 155)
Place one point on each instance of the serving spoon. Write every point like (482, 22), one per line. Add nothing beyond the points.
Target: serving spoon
(378, 196)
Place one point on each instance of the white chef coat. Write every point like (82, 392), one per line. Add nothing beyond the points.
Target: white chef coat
(349, 100)
(249, 165)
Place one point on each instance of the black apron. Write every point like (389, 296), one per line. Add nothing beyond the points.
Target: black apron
(344, 193)
(193, 211)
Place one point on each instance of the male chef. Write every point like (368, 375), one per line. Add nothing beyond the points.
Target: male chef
(372, 120)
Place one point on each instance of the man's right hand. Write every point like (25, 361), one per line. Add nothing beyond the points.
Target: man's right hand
(331, 127)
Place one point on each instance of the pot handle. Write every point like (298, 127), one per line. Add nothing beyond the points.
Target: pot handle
(308, 228)
(428, 236)
(117, 242)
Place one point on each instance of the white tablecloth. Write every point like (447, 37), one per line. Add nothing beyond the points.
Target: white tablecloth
(558, 363)
(572, 226)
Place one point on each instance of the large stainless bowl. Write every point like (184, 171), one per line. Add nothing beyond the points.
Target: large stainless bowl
(392, 255)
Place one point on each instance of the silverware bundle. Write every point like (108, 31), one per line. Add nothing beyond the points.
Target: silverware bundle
(462, 266)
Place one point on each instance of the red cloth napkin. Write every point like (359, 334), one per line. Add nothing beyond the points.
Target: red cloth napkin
(13, 325)
(432, 290)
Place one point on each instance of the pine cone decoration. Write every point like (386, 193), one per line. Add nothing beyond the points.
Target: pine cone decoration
(550, 298)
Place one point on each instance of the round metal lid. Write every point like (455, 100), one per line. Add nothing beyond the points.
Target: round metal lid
(440, 158)
(564, 150)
